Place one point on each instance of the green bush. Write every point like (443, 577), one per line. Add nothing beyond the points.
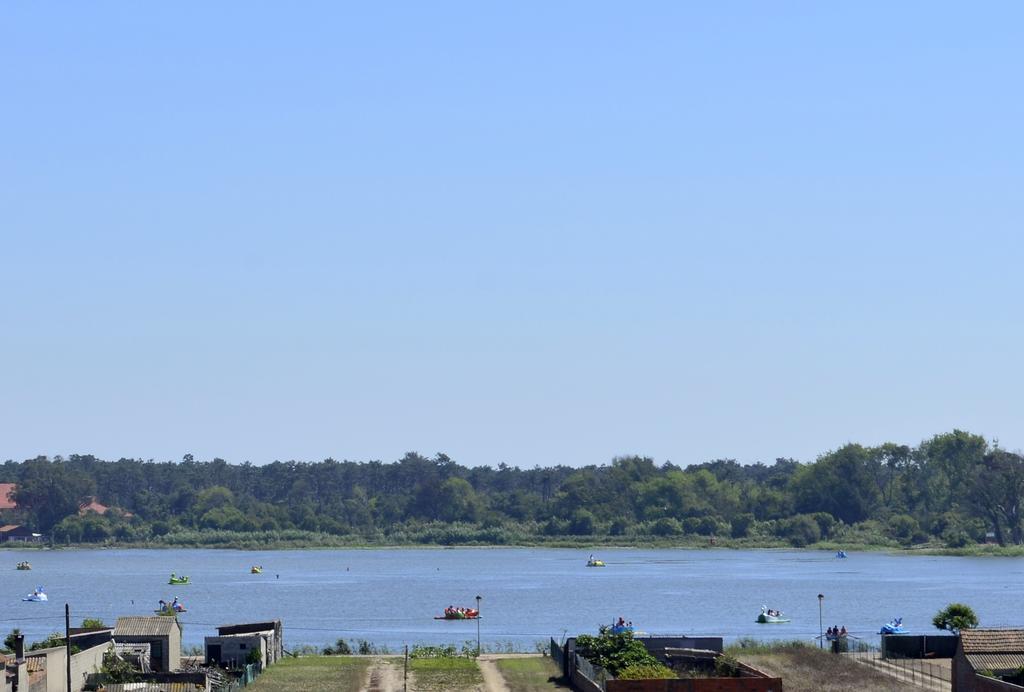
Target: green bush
(614, 652)
(646, 671)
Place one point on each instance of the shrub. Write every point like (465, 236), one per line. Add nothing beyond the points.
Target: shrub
(667, 526)
(614, 652)
(801, 530)
(955, 617)
(741, 525)
(646, 671)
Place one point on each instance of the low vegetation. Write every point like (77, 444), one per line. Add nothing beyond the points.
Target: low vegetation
(445, 674)
(805, 668)
(531, 674)
(313, 674)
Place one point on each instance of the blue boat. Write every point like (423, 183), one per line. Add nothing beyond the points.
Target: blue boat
(893, 627)
(841, 554)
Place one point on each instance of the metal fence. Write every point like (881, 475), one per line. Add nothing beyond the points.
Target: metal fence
(557, 655)
(919, 671)
(595, 674)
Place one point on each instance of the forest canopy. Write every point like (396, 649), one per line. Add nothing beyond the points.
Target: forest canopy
(954, 489)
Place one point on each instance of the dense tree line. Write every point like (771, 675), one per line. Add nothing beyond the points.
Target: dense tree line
(955, 488)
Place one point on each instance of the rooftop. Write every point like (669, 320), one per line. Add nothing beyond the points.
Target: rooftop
(6, 490)
(992, 641)
(139, 626)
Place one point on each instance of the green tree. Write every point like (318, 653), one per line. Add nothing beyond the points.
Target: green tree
(955, 617)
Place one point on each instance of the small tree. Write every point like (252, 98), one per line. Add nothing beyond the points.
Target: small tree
(955, 617)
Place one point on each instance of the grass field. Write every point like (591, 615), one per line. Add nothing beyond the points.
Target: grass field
(313, 674)
(445, 674)
(533, 674)
(806, 669)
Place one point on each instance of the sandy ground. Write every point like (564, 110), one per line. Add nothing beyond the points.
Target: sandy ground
(385, 676)
(493, 680)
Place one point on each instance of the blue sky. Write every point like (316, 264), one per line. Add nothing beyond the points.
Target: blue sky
(535, 233)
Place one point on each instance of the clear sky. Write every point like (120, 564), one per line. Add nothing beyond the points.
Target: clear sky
(532, 233)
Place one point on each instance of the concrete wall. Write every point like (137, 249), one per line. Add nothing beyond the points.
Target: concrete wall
(919, 645)
(697, 685)
(983, 684)
(660, 643)
(234, 650)
(83, 664)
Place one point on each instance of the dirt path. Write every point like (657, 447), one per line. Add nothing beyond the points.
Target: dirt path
(493, 679)
(385, 676)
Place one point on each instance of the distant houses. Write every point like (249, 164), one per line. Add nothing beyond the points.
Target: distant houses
(7, 502)
(152, 646)
(18, 533)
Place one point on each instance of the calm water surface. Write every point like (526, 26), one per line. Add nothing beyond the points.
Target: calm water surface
(389, 597)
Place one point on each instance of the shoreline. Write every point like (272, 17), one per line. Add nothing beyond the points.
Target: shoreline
(254, 544)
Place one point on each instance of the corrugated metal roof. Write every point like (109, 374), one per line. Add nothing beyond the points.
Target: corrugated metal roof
(979, 641)
(996, 662)
(154, 626)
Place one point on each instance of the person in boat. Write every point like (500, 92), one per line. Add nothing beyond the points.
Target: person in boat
(620, 623)
(828, 633)
(163, 604)
(842, 631)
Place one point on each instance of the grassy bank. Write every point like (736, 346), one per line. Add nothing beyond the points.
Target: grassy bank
(302, 540)
(313, 674)
(531, 674)
(807, 669)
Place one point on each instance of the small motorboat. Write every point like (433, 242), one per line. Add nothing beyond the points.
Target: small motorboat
(453, 613)
(178, 580)
(23, 565)
(37, 596)
(256, 569)
(841, 554)
(771, 617)
(894, 626)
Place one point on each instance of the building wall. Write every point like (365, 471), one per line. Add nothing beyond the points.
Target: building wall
(983, 684)
(170, 645)
(82, 665)
(697, 685)
(963, 673)
(234, 650)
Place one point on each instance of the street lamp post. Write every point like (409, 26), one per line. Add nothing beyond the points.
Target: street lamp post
(478, 626)
(821, 631)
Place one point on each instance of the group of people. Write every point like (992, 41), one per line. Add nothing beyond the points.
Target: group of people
(453, 611)
(174, 606)
(774, 613)
(835, 632)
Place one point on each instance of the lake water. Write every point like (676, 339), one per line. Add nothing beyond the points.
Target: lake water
(389, 596)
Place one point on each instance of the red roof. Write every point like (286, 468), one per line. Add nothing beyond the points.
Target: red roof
(6, 501)
(92, 506)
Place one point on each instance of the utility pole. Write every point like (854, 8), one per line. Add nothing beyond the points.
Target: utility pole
(821, 632)
(478, 626)
(67, 640)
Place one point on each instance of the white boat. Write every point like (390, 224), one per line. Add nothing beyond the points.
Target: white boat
(36, 596)
(771, 617)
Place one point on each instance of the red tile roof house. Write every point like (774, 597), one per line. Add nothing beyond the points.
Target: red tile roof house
(7, 496)
(94, 505)
(998, 653)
